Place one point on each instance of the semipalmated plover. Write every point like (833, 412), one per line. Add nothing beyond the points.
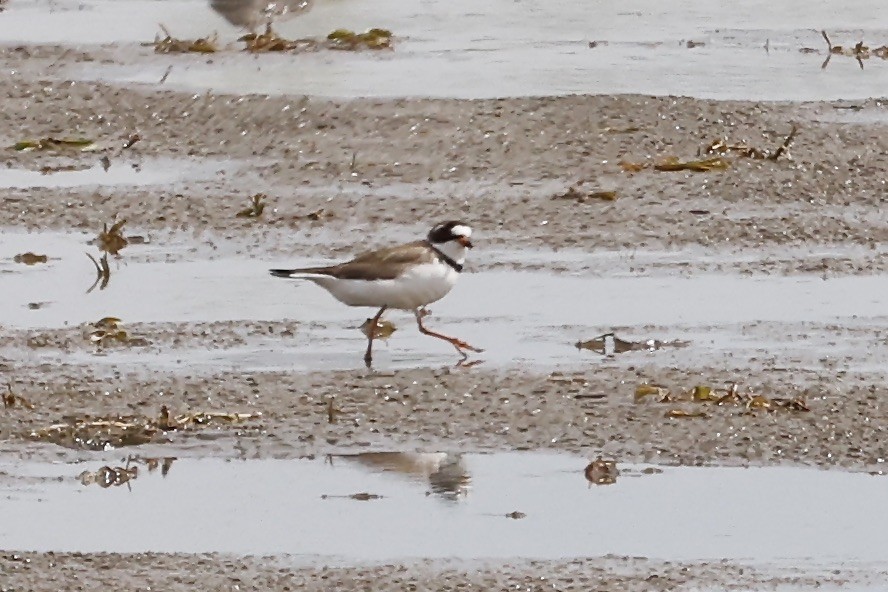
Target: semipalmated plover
(405, 277)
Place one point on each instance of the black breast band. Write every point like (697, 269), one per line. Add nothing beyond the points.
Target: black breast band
(456, 266)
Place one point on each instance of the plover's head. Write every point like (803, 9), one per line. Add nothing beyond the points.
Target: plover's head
(452, 231)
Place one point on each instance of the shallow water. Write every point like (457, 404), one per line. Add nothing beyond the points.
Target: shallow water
(536, 324)
(466, 49)
(449, 506)
(152, 172)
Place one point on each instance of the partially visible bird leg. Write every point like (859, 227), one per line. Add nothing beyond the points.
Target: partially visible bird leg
(374, 324)
(462, 364)
(459, 344)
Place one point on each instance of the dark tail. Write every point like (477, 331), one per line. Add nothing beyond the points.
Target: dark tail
(289, 273)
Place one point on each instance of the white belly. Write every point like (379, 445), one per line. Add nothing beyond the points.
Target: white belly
(417, 287)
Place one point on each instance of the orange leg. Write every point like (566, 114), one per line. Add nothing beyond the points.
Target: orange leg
(459, 344)
(368, 357)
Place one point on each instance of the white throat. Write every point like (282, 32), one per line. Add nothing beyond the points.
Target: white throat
(454, 250)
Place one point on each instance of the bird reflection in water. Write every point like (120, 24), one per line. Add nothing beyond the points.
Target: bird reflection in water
(251, 14)
(445, 472)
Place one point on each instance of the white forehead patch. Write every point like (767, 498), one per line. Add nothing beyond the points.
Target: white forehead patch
(461, 230)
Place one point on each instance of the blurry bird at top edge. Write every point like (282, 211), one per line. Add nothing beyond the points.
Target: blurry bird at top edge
(251, 14)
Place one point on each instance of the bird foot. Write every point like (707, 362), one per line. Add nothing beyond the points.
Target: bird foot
(462, 345)
(464, 364)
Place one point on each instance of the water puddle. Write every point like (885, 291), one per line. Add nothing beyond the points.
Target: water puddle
(89, 22)
(547, 70)
(377, 507)
(500, 48)
(537, 325)
(680, 261)
(152, 172)
(857, 115)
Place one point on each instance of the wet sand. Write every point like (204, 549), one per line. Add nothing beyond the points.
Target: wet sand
(431, 409)
(342, 175)
(40, 572)
(500, 163)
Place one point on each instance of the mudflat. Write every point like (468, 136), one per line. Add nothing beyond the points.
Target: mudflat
(744, 293)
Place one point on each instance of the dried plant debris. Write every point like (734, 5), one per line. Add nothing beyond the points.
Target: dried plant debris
(12, 400)
(610, 345)
(561, 378)
(30, 258)
(361, 497)
(384, 329)
(858, 51)
(109, 331)
(706, 395)
(575, 386)
(681, 413)
(107, 323)
(56, 145)
(340, 39)
(672, 164)
(314, 215)
(650, 390)
(164, 463)
(697, 166)
(64, 168)
(256, 207)
(106, 476)
(516, 515)
(106, 433)
(633, 167)
(575, 193)
(103, 433)
(111, 240)
(169, 44)
(332, 411)
(351, 41)
(130, 141)
(601, 472)
(103, 272)
(724, 146)
(168, 422)
(629, 129)
(269, 41)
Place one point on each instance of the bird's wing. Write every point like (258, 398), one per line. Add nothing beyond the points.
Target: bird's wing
(382, 264)
(417, 252)
(386, 264)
